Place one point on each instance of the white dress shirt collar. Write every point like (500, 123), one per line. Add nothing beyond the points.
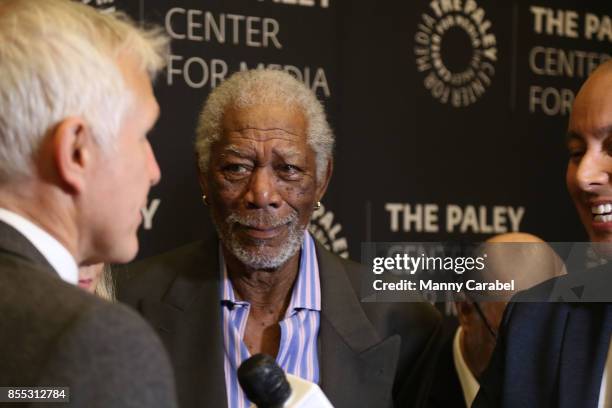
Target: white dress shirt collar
(469, 383)
(55, 253)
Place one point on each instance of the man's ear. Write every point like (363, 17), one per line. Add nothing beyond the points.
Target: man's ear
(322, 185)
(202, 179)
(72, 145)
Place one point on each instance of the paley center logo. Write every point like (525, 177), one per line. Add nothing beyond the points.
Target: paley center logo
(456, 51)
(327, 232)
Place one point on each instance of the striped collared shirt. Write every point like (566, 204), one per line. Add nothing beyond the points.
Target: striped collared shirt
(297, 352)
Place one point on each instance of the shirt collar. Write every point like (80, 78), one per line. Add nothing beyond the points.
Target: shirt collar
(469, 383)
(54, 252)
(306, 291)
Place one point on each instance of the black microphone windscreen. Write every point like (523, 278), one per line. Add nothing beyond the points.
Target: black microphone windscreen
(264, 382)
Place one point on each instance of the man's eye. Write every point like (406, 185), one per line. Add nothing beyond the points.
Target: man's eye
(290, 168)
(236, 169)
(575, 149)
(607, 146)
(289, 171)
(575, 155)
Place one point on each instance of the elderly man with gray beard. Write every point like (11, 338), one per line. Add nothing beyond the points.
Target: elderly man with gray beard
(263, 284)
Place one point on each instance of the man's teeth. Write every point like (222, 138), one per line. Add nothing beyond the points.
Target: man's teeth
(602, 212)
(601, 209)
(603, 218)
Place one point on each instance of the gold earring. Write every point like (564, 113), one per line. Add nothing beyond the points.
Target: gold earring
(317, 205)
(204, 199)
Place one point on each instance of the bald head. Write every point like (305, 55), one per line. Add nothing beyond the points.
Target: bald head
(523, 257)
(592, 108)
(514, 237)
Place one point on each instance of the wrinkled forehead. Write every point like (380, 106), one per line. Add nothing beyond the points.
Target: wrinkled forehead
(250, 143)
(263, 129)
(272, 120)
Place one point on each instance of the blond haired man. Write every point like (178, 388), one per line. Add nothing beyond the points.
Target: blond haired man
(76, 104)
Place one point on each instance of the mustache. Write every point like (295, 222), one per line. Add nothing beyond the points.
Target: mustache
(263, 219)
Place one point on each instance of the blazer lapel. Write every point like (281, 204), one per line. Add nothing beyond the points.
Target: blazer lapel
(585, 348)
(188, 320)
(356, 364)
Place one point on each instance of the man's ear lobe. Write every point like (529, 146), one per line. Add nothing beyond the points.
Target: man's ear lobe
(201, 176)
(72, 152)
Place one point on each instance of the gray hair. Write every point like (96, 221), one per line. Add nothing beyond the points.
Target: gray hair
(261, 87)
(58, 59)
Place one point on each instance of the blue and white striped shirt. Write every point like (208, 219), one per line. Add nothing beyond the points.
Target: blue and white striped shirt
(297, 353)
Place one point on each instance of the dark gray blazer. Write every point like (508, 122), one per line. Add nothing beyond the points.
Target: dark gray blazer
(55, 334)
(552, 354)
(371, 355)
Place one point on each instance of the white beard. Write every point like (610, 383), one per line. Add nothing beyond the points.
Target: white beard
(257, 257)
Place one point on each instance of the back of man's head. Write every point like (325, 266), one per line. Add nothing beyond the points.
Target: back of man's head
(58, 59)
(76, 103)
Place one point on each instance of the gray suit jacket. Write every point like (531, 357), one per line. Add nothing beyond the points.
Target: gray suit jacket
(54, 334)
(371, 355)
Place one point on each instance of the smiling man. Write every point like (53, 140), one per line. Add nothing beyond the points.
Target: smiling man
(263, 284)
(558, 354)
(589, 170)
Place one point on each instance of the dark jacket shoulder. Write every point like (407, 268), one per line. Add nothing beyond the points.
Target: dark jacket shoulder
(152, 276)
(57, 334)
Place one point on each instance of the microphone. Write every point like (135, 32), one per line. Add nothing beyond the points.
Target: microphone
(267, 386)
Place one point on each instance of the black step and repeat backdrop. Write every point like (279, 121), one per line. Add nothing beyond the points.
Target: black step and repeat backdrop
(450, 115)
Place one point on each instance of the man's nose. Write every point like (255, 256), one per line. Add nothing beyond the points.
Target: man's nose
(593, 170)
(153, 167)
(262, 189)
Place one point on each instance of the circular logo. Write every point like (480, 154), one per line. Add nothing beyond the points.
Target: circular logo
(456, 51)
(324, 230)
